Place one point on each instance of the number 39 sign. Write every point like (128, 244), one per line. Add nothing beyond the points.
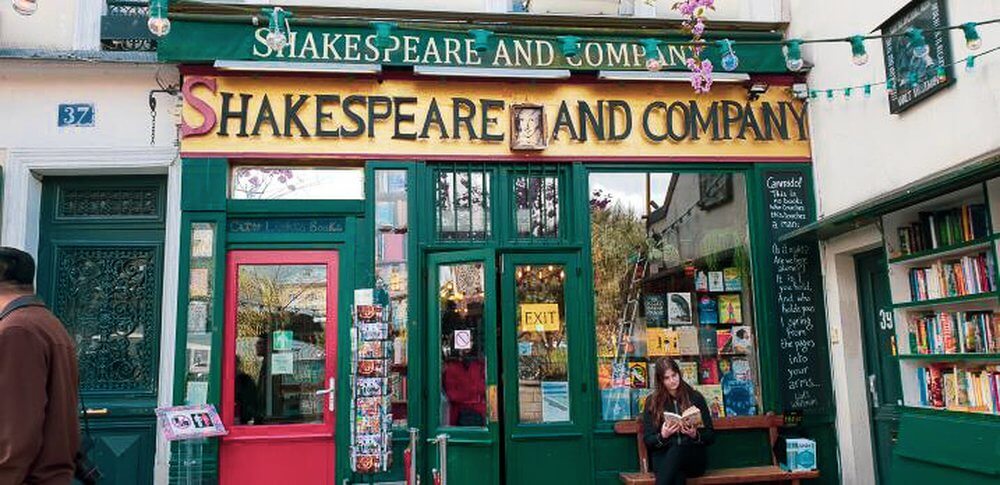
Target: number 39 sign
(80, 114)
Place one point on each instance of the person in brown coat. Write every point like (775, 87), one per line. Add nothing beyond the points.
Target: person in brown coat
(39, 431)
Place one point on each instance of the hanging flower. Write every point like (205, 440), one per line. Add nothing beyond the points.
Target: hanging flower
(694, 12)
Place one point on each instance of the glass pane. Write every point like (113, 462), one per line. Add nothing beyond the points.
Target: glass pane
(542, 377)
(297, 183)
(199, 312)
(280, 344)
(462, 203)
(391, 239)
(463, 354)
(677, 245)
(536, 206)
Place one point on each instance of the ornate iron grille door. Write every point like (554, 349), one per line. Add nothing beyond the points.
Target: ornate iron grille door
(100, 268)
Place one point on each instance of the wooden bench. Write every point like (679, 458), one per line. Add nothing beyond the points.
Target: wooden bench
(752, 474)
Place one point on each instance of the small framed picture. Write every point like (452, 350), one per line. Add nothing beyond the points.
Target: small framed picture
(527, 127)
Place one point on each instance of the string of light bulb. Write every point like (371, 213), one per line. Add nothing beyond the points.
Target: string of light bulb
(889, 83)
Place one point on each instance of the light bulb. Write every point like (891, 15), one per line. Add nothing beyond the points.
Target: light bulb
(970, 63)
(276, 40)
(974, 44)
(860, 59)
(794, 64)
(25, 7)
(972, 39)
(159, 26)
(730, 62)
(653, 64)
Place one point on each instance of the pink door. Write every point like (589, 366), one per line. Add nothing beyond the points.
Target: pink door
(279, 368)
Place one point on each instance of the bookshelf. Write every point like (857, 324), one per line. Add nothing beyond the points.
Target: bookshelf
(943, 277)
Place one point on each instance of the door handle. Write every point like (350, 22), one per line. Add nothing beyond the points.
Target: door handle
(331, 394)
(872, 390)
(96, 411)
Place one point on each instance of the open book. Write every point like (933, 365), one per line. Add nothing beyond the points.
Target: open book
(691, 416)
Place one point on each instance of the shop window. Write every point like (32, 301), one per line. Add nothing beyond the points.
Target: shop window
(462, 204)
(391, 270)
(201, 291)
(297, 183)
(536, 206)
(672, 261)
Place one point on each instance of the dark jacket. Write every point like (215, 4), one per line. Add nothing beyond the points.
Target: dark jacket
(39, 431)
(651, 432)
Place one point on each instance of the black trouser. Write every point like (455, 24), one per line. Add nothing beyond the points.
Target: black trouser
(674, 466)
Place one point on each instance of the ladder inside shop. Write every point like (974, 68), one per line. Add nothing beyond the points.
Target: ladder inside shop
(630, 310)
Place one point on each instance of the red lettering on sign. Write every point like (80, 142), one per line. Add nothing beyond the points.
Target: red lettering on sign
(199, 105)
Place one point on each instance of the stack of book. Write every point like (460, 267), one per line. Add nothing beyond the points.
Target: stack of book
(966, 276)
(944, 228)
(960, 389)
(957, 332)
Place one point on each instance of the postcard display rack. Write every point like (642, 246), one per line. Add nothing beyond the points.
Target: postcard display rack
(943, 279)
(371, 358)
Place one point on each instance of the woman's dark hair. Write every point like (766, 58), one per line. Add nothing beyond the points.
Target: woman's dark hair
(16, 267)
(661, 400)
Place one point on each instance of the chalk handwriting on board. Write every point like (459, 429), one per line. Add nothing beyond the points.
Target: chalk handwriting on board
(795, 264)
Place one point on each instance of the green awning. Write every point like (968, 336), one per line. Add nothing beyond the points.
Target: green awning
(236, 39)
(926, 188)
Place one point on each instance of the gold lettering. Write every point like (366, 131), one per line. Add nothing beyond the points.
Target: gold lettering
(452, 48)
(260, 35)
(471, 56)
(677, 55)
(544, 53)
(396, 43)
(618, 55)
(309, 44)
(371, 52)
(410, 48)
(502, 53)
(594, 54)
(522, 52)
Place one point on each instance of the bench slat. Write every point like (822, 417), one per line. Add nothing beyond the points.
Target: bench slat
(750, 475)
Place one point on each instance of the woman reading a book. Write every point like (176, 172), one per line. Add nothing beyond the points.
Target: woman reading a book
(676, 426)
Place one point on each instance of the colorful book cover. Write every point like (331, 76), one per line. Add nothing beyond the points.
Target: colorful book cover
(731, 279)
(707, 341)
(687, 340)
(672, 342)
(716, 282)
(639, 400)
(656, 310)
(730, 309)
(385, 214)
(679, 309)
(708, 371)
(740, 367)
(738, 395)
(724, 341)
(393, 247)
(689, 371)
(638, 375)
(708, 310)
(742, 339)
(615, 404)
(701, 281)
(714, 398)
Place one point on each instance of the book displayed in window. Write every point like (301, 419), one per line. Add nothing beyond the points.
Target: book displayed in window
(679, 309)
(730, 309)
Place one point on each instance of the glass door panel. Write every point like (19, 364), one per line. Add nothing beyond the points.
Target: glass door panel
(542, 346)
(463, 368)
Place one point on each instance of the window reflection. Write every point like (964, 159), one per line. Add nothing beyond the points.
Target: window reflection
(463, 356)
(297, 183)
(280, 344)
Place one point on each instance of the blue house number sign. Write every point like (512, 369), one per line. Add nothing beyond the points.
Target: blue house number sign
(80, 114)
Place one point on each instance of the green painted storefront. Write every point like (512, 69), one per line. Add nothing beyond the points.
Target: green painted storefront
(595, 454)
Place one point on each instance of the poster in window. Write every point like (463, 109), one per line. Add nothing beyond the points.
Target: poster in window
(714, 189)
(917, 73)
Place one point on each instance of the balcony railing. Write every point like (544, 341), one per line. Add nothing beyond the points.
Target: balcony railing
(123, 27)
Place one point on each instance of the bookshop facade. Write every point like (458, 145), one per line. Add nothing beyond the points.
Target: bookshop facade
(372, 263)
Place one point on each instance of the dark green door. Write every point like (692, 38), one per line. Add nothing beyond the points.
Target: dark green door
(462, 367)
(878, 333)
(100, 268)
(544, 385)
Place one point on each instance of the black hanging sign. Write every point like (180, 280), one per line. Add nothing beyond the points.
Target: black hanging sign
(917, 72)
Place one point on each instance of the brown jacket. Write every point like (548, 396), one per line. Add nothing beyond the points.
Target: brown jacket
(39, 431)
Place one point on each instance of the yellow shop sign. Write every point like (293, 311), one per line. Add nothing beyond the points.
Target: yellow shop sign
(251, 116)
